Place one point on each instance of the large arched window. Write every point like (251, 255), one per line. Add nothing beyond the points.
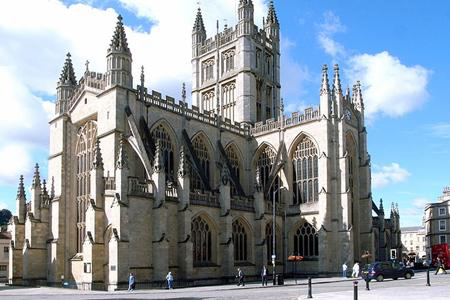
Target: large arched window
(167, 148)
(306, 241)
(269, 241)
(234, 161)
(305, 172)
(264, 163)
(240, 242)
(202, 153)
(201, 241)
(85, 147)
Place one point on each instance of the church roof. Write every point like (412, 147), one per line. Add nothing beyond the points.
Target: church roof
(198, 24)
(119, 40)
(272, 15)
(67, 73)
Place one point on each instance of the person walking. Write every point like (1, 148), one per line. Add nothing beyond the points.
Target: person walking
(344, 270)
(169, 279)
(131, 282)
(264, 276)
(440, 265)
(240, 277)
(355, 272)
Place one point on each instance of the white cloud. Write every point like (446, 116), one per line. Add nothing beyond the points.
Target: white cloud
(3, 205)
(385, 175)
(15, 160)
(327, 29)
(415, 208)
(441, 130)
(390, 87)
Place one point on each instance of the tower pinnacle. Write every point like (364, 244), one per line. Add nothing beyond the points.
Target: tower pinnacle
(272, 15)
(36, 177)
(198, 24)
(337, 81)
(21, 189)
(67, 74)
(325, 87)
(119, 40)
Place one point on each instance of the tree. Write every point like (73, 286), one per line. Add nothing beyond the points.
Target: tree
(5, 215)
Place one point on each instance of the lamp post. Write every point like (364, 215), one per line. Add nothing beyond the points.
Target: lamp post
(273, 233)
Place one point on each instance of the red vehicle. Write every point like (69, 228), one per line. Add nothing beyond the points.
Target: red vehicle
(440, 250)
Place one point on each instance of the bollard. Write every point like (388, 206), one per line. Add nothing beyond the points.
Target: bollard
(428, 277)
(355, 290)
(367, 285)
(309, 288)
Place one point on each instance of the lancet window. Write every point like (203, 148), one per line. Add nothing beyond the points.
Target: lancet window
(240, 242)
(264, 163)
(234, 161)
(161, 135)
(85, 147)
(208, 69)
(201, 241)
(269, 241)
(305, 172)
(228, 101)
(202, 153)
(306, 241)
(228, 61)
(208, 101)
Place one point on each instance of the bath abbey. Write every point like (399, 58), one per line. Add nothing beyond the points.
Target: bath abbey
(144, 183)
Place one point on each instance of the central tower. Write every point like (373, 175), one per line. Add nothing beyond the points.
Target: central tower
(236, 72)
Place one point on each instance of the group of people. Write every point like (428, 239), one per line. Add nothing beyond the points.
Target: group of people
(355, 270)
(132, 281)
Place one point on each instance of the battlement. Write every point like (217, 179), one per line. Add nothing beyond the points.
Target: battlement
(182, 108)
(91, 80)
(231, 34)
(309, 115)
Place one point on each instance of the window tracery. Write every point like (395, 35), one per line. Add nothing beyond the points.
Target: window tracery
(202, 153)
(208, 101)
(201, 241)
(167, 148)
(208, 69)
(228, 101)
(305, 172)
(306, 241)
(228, 61)
(240, 242)
(231, 153)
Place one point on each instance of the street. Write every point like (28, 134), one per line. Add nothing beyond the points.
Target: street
(324, 288)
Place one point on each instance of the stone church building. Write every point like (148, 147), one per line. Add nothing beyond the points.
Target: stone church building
(148, 184)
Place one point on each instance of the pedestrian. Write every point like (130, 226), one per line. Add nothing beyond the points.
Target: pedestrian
(344, 270)
(264, 276)
(131, 282)
(169, 279)
(440, 265)
(240, 277)
(355, 272)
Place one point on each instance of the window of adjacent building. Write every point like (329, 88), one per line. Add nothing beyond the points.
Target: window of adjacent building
(202, 153)
(228, 101)
(240, 242)
(442, 211)
(442, 225)
(2, 268)
(208, 102)
(161, 135)
(305, 175)
(306, 241)
(85, 148)
(208, 70)
(228, 61)
(442, 239)
(201, 241)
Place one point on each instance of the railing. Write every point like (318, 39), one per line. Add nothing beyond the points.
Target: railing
(296, 118)
(91, 80)
(242, 203)
(110, 183)
(205, 199)
(171, 193)
(137, 188)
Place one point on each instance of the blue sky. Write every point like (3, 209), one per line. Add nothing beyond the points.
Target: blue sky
(398, 49)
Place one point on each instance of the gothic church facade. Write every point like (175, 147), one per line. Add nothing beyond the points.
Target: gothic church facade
(146, 184)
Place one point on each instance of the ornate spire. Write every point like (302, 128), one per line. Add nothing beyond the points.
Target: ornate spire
(122, 158)
(347, 94)
(272, 15)
(36, 177)
(325, 88)
(183, 165)
(158, 166)
(381, 206)
(21, 189)
(52, 188)
(183, 92)
(198, 24)
(67, 74)
(98, 160)
(44, 188)
(337, 81)
(119, 39)
(142, 76)
(358, 96)
(396, 209)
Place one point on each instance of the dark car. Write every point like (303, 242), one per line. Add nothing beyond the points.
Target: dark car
(382, 270)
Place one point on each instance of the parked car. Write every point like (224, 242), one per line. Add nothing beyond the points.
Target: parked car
(381, 270)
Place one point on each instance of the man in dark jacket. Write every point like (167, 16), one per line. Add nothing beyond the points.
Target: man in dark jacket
(240, 277)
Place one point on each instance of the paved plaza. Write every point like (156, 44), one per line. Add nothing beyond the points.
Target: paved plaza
(329, 288)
